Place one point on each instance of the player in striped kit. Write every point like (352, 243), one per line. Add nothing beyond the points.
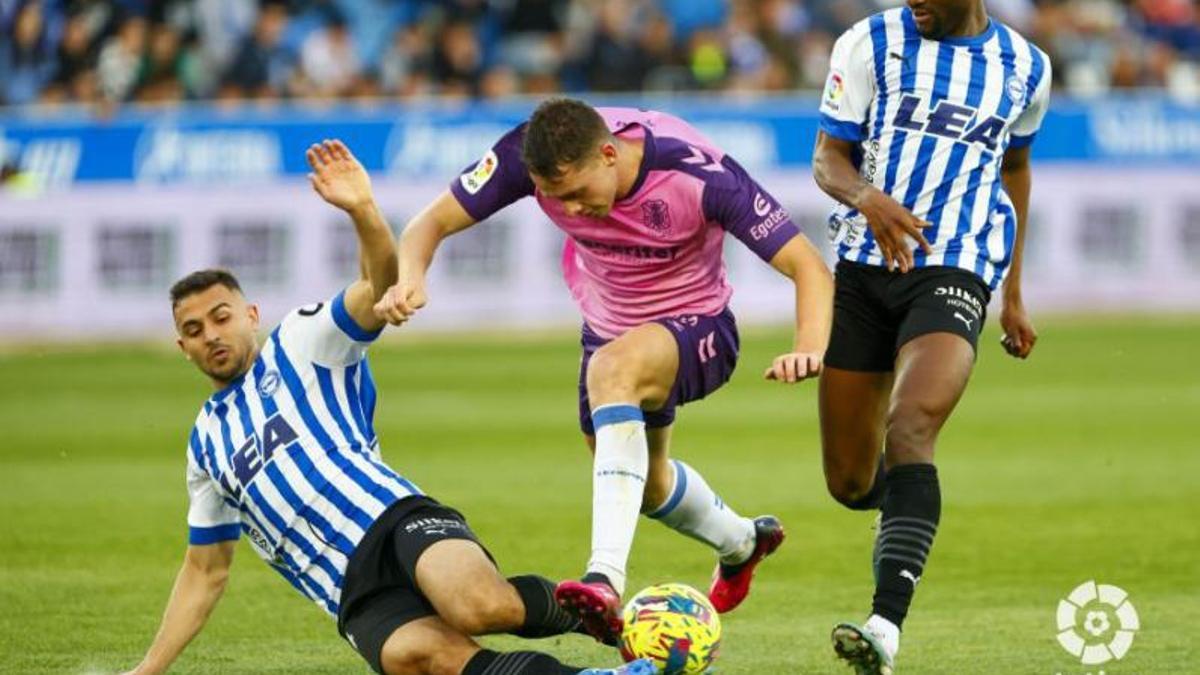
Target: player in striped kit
(926, 126)
(285, 452)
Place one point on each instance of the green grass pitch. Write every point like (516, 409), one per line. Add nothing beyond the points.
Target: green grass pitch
(1082, 463)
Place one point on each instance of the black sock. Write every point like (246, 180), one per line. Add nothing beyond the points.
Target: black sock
(543, 616)
(487, 662)
(912, 507)
(874, 497)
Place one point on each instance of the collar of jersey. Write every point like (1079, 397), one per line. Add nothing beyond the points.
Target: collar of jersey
(648, 154)
(236, 382)
(965, 41)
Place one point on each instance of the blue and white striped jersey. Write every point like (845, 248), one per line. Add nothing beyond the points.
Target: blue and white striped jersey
(932, 119)
(287, 453)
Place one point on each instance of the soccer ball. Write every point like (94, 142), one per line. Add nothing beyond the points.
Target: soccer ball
(675, 626)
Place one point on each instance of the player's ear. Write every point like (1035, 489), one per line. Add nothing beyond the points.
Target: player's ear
(179, 343)
(608, 153)
(252, 311)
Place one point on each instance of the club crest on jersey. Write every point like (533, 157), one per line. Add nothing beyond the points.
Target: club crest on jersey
(1015, 89)
(268, 384)
(949, 120)
(474, 180)
(656, 215)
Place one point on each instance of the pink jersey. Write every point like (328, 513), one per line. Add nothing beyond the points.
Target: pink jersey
(658, 252)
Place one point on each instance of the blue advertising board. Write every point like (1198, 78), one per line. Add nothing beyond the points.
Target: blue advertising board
(262, 144)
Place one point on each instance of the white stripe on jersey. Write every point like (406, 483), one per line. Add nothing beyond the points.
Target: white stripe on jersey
(287, 454)
(933, 120)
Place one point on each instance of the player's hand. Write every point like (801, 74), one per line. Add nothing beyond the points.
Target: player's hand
(893, 225)
(338, 177)
(1019, 333)
(401, 301)
(794, 367)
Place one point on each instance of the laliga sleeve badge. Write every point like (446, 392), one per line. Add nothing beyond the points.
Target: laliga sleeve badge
(834, 89)
(474, 180)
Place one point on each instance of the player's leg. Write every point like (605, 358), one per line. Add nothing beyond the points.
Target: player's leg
(434, 549)
(679, 497)
(430, 646)
(937, 341)
(468, 592)
(706, 350)
(855, 387)
(853, 408)
(617, 380)
(632, 373)
(931, 374)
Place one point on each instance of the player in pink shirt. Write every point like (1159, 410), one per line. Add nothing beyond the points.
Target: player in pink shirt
(645, 201)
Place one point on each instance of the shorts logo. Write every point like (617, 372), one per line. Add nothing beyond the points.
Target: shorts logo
(964, 319)
(269, 384)
(762, 206)
(960, 299)
(434, 526)
(1015, 89)
(474, 180)
(656, 215)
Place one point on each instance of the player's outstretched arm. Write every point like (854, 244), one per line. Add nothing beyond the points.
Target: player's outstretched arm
(198, 587)
(343, 182)
(441, 218)
(890, 222)
(799, 261)
(1019, 333)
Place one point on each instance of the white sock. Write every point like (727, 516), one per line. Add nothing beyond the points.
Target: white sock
(618, 481)
(887, 632)
(693, 509)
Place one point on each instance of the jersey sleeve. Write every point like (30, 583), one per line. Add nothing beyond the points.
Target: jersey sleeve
(497, 180)
(747, 211)
(1026, 126)
(210, 518)
(325, 333)
(850, 87)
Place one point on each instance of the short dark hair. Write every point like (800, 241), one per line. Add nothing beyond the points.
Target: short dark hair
(200, 281)
(561, 132)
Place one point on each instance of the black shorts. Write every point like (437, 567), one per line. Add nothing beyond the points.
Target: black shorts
(379, 593)
(875, 312)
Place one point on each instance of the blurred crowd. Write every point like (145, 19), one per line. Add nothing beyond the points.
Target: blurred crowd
(113, 51)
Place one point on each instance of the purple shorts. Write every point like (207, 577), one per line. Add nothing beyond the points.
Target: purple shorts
(708, 351)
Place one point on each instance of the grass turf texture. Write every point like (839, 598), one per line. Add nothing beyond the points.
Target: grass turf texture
(1080, 464)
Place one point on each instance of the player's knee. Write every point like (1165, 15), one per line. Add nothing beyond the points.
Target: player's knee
(912, 428)
(612, 375)
(410, 659)
(405, 658)
(482, 611)
(849, 489)
(449, 662)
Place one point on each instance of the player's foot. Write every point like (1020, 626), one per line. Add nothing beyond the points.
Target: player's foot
(639, 667)
(596, 604)
(731, 583)
(870, 648)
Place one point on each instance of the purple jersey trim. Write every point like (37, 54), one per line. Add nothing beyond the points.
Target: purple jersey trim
(509, 182)
(747, 211)
(731, 197)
